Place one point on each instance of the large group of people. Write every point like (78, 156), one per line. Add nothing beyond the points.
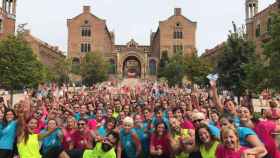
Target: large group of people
(150, 120)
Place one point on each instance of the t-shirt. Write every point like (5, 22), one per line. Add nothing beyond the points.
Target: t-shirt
(97, 152)
(223, 152)
(264, 130)
(187, 124)
(51, 141)
(80, 139)
(30, 149)
(7, 135)
(209, 153)
(243, 133)
(184, 133)
(92, 124)
(68, 138)
(161, 142)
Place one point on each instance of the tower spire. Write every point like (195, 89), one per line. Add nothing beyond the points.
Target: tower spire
(251, 9)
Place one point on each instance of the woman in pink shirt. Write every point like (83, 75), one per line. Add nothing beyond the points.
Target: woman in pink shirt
(160, 143)
(230, 147)
(68, 134)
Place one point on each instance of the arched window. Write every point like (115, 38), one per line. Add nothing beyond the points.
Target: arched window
(153, 67)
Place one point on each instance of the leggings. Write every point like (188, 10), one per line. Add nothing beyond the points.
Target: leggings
(6, 153)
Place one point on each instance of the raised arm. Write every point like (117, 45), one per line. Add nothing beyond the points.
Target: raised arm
(216, 98)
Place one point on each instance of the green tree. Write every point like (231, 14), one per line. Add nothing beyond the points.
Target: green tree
(272, 53)
(62, 70)
(255, 80)
(230, 66)
(197, 69)
(19, 67)
(94, 68)
(164, 60)
(174, 71)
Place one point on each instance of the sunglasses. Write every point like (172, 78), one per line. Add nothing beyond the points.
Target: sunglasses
(81, 124)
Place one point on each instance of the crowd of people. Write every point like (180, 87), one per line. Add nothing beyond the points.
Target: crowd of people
(150, 120)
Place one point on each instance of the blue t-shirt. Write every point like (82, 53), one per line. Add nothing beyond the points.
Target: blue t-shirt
(128, 145)
(145, 141)
(102, 131)
(214, 130)
(243, 133)
(8, 135)
(51, 141)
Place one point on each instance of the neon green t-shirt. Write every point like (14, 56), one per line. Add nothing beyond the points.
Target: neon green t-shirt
(31, 149)
(185, 134)
(97, 152)
(210, 153)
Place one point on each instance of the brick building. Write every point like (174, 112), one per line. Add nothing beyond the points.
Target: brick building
(259, 23)
(7, 17)
(88, 33)
(47, 54)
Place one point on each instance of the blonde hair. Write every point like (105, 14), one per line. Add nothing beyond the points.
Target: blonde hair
(225, 130)
(128, 120)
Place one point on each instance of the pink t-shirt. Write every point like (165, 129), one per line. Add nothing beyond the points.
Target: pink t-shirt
(161, 142)
(187, 125)
(264, 130)
(68, 138)
(92, 124)
(223, 152)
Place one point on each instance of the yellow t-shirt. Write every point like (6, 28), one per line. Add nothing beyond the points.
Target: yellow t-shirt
(31, 149)
(97, 152)
(185, 134)
(210, 153)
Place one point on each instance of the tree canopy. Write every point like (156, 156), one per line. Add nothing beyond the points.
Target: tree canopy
(94, 68)
(19, 67)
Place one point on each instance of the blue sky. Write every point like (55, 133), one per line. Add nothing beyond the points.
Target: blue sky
(133, 18)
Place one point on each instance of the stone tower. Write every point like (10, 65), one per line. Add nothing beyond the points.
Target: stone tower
(251, 9)
(7, 17)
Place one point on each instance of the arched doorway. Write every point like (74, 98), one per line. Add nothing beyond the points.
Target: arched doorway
(132, 67)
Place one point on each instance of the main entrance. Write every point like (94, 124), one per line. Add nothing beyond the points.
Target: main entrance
(131, 67)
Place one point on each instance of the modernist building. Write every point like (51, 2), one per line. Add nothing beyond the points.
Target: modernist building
(88, 33)
(7, 17)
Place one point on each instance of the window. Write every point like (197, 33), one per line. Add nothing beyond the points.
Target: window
(153, 67)
(269, 24)
(178, 49)
(85, 31)
(258, 30)
(1, 25)
(85, 47)
(177, 34)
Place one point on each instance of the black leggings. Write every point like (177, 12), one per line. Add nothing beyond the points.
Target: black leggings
(53, 152)
(6, 153)
(76, 153)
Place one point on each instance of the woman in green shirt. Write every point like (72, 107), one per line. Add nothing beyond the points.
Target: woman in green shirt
(206, 142)
(27, 141)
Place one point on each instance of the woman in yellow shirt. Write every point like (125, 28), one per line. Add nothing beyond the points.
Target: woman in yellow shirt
(206, 142)
(28, 141)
